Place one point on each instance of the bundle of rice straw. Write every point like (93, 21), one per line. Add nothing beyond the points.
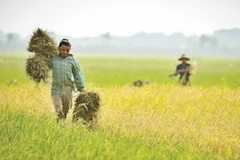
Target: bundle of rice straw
(37, 69)
(42, 44)
(140, 83)
(44, 48)
(86, 108)
(191, 70)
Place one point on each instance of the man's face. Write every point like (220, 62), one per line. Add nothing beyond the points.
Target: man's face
(64, 51)
(184, 60)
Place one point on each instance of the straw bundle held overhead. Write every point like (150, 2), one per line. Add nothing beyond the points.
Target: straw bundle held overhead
(86, 107)
(42, 44)
(37, 68)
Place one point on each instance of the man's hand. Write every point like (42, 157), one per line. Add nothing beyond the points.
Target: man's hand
(174, 74)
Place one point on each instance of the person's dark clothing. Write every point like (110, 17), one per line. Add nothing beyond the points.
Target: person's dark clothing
(181, 67)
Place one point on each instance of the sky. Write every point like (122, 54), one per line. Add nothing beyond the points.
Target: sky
(89, 18)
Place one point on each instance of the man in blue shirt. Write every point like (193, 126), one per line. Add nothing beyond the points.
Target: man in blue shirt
(66, 73)
(183, 70)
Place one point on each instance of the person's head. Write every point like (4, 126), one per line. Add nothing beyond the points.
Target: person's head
(184, 58)
(64, 48)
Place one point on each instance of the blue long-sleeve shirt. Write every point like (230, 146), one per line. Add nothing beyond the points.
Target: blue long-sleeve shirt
(66, 71)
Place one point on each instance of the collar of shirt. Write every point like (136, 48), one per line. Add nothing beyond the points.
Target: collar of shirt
(69, 55)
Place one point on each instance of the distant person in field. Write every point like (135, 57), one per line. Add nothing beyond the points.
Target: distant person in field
(66, 73)
(183, 70)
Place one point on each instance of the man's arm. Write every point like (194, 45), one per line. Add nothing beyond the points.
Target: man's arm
(78, 75)
(175, 73)
(182, 70)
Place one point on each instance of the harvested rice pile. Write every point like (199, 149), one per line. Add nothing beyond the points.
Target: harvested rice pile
(44, 48)
(140, 83)
(86, 108)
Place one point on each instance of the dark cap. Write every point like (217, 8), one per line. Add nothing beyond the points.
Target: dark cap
(64, 42)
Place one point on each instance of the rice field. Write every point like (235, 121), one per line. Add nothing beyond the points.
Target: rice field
(161, 120)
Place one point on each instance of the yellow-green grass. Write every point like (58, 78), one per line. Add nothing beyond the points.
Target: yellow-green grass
(153, 122)
(160, 121)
